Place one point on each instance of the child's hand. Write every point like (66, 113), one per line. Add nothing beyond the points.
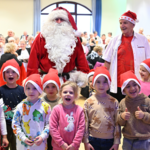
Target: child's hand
(114, 147)
(5, 141)
(139, 114)
(125, 115)
(70, 147)
(38, 140)
(28, 142)
(64, 146)
(88, 146)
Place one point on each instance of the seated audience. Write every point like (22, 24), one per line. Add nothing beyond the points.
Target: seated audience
(10, 34)
(2, 43)
(95, 55)
(23, 53)
(24, 36)
(9, 53)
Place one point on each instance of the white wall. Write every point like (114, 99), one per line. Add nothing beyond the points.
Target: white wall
(142, 9)
(87, 3)
(111, 11)
(16, 15)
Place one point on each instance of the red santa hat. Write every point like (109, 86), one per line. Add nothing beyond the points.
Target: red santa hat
(36, 81)
(146, 64)
(91, 73)
(130, 16)
(11, 64)
(63, 13)
(101, 71)
(126, 77)
(51, 77)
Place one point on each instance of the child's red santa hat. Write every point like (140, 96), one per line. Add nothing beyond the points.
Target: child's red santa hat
(63, 13)
(11, 64)
(146, 64)
(91, 73)
(126, 77)
(36, 81)
(130, 16)
(51, 77)
(101, 71)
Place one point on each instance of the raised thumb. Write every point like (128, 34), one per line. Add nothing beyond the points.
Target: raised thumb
(138, 108)
(126, 110)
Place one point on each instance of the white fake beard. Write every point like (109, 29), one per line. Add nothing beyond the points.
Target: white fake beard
(60, 43)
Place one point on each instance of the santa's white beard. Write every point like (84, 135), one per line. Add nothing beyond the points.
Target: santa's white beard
(60, 43)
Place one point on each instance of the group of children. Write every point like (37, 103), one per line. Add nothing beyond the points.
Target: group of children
(42, 122)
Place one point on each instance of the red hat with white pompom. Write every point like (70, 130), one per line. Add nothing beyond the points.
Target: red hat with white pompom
(129, 16)
(11, 64)
(101, 71)
(146, 64)
(63, 13)
(51, 77)
(36, 81)
(126, 77)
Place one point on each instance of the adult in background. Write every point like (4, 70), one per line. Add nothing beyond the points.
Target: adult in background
(24, 36)
(58, 46)
(2, 44)
(125, 52)
(10, 34)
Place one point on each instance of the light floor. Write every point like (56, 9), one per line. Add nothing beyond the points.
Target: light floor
(80, 102)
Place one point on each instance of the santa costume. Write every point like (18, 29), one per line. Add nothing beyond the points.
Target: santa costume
(58, 46)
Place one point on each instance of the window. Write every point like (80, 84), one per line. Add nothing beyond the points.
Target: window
(81, 14)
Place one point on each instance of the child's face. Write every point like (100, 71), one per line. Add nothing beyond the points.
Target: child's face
(10, 76)
(51, 90)
(132, 89)
(90, 82)
(144, 73)
(31, 92)
(101, 85)
(67, 95)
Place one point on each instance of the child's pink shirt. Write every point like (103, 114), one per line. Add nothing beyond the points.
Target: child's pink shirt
(145, 88)
(67, 126)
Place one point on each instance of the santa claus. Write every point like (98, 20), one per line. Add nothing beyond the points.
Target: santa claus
(57, 46)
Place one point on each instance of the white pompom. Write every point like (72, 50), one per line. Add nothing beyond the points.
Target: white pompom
(77, 33)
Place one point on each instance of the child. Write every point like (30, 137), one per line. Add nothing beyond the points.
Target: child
(90, 78)
(51, 85)
(102, 131)
(134, 114)
(12, 95)
(145, 77)
(3, 130)
(67, 120)
(30, 122)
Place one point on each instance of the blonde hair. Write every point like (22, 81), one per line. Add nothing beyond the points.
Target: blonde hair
(98, 49)
(9, 48)
(73, 85)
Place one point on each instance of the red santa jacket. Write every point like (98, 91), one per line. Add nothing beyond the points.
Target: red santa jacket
(39, 58)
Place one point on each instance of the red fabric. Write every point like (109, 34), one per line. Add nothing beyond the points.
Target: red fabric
(125, 60)
(130, 14)
(39, 58)
(23, 75)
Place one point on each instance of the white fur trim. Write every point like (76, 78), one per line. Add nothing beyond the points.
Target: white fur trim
(59, 13)
(126, 82)
(36, 86)
(50, 81)
(99, 76)
(77, 33)
(90, 74)
(13, 68)
(127, 18)
(79, 77)
(147, 67)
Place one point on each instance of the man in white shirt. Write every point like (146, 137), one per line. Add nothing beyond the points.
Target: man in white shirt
(125, 52)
